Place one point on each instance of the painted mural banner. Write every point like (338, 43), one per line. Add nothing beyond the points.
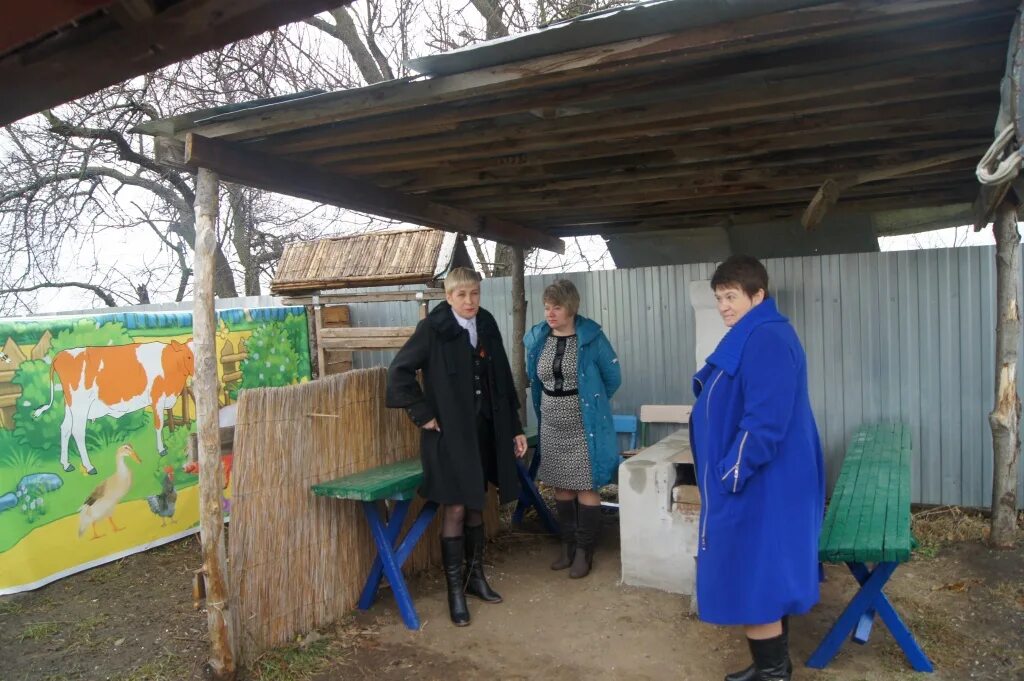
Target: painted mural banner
(95, 415)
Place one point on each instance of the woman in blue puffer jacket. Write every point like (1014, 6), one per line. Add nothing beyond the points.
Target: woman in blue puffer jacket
(573, 372)
(761, 473)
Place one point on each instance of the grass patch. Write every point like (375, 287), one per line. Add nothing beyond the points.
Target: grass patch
(10, 607)
(937, 527)
(1009, 593)
(38, 630)
(293, 663)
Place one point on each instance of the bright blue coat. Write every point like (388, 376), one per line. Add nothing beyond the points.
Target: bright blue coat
(598, 376)
(761, 474)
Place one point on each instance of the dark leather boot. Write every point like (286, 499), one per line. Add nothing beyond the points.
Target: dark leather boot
(750, 673)
(771, 658)
(588, 526)
(476, 581)
(567, 525)
(451, 559)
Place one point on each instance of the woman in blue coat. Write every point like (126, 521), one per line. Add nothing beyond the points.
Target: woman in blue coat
(573, 372)
(760, 471)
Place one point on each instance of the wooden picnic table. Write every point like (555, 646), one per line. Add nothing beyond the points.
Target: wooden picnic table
(868, 521)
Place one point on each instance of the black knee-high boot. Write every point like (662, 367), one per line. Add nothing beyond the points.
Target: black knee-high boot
(753, 672)
(451, 558)
(476, 581)
(567, 525)
(588, 527)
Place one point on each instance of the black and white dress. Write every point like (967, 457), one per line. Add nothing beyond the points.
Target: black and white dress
(565, 461)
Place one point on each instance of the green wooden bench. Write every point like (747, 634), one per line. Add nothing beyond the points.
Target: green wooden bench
(396, 482)
(868, 521)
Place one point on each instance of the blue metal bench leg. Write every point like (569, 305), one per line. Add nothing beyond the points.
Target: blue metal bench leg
(915, 655)
(391, 531)
(524, 497)
(869, 597)
(392, 568)
(529, 496)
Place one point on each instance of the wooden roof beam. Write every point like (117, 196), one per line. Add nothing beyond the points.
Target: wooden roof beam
(773, 31)
(238, 164)
(179, 32)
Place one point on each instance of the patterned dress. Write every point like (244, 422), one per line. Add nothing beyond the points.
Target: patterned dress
(565, 458)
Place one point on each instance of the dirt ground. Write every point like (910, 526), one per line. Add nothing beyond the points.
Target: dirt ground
(133, 620)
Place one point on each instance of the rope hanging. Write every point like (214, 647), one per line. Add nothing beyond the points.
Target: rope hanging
(993, 172)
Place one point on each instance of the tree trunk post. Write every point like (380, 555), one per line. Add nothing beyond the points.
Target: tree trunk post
(1005, 416)
(205, 388)
(519, 328)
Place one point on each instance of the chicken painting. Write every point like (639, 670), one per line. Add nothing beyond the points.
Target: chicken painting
(104, 499)
(163, 504)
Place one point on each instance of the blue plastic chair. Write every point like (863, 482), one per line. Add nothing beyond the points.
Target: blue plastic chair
(628, 425)
(625, 424)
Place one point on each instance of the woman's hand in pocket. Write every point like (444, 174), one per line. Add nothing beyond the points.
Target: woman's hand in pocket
(431, 425)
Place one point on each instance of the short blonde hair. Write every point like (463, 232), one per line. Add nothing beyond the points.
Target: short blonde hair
(563, 292)
(460, 276)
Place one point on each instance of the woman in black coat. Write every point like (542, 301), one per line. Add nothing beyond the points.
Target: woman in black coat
(469, 413)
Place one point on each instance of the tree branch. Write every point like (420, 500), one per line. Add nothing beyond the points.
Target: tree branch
(100, 292)
(124, 151)
(345, 30)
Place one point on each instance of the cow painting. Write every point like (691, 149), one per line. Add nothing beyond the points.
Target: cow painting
(114, 381)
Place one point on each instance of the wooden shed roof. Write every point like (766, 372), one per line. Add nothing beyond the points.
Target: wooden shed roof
(733, 119)
(412, 256)
(52, 51)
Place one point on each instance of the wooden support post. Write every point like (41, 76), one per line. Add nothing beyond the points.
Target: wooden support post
(519, 328)
(321, 354)
(205, 387)
(1005, 417)
(316, 367)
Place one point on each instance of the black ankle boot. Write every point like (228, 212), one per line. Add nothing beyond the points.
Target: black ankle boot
(750, 673)
(476, 582)
(588, 526)
(451, 558)
(567, 525)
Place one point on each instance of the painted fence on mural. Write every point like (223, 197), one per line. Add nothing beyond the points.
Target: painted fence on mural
(95, 414)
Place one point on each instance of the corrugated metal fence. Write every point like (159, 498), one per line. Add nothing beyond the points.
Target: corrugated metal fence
(906, 335)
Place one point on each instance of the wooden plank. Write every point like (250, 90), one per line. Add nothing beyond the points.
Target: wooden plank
(369, 343)
(375, 297)
(336, 315)
(233, 357)
(869, 515)
(394, 481)
(714, 100)
(320, 350)
(615, 104)
(25, 22)
(231, 376)
(600, 62)
(84, 61)
(353, 332)
(845, 520)
(298, 179)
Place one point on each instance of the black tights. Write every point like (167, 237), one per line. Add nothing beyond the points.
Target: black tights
(454, 517)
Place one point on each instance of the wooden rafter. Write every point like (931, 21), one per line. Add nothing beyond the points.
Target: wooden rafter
(235, 162)
(128, 40)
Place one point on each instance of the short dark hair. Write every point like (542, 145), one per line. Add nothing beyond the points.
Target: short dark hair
(743, 272)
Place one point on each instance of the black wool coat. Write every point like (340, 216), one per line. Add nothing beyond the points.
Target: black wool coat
(453, 472)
